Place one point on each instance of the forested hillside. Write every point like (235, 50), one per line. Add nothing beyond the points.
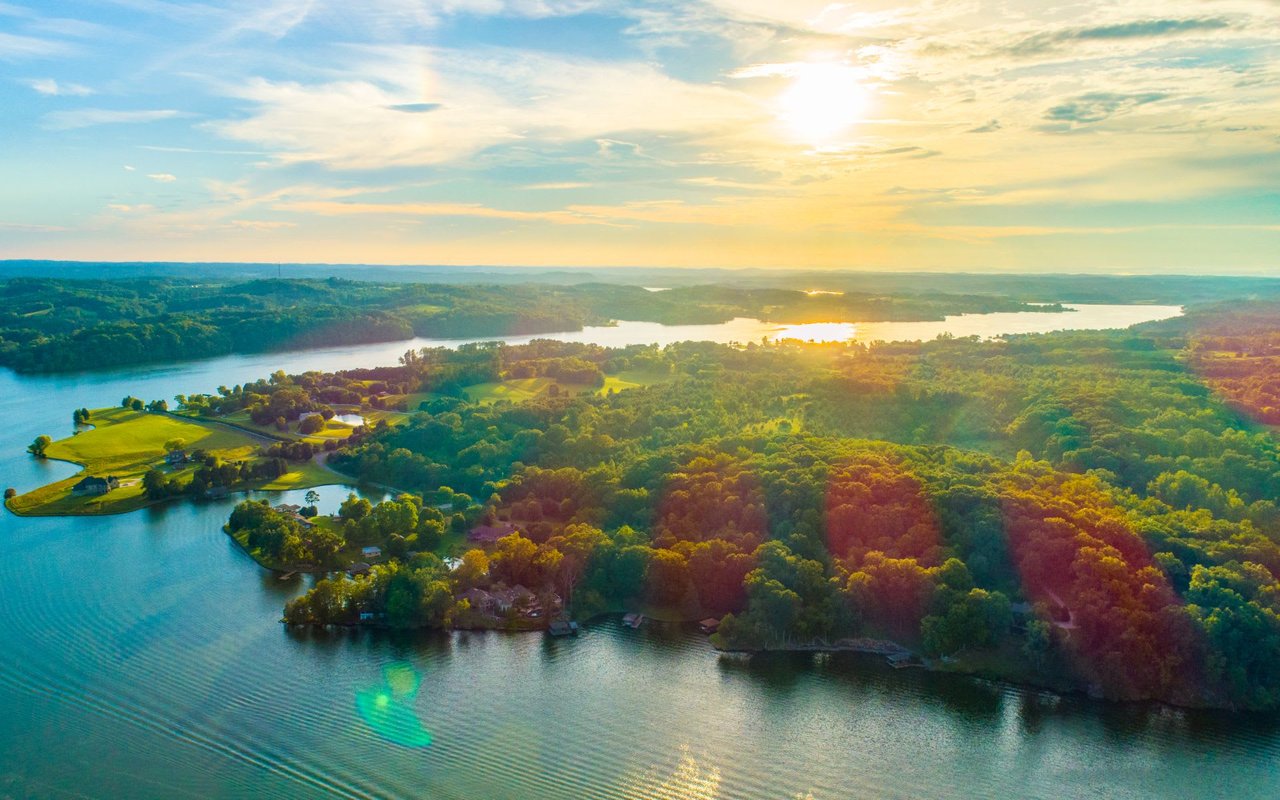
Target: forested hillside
(49, 325)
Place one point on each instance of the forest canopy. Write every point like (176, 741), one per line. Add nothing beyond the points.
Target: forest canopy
(1094, 510)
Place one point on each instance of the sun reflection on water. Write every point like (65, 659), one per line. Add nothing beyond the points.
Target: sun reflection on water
(817, 332)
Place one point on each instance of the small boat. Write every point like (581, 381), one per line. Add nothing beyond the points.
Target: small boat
(633, 620)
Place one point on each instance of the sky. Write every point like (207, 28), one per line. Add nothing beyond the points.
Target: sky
(1027, 135)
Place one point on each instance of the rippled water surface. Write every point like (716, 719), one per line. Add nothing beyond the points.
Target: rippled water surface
(141, 656)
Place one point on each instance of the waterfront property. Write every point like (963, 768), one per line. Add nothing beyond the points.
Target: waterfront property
(94, 486)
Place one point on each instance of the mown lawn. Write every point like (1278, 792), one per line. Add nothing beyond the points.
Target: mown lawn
(332, 428)
(518, 390)
(125, 444)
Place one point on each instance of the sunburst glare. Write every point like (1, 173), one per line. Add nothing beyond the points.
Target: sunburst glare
(823, 102)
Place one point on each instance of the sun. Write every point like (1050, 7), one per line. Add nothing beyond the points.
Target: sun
(823, 101)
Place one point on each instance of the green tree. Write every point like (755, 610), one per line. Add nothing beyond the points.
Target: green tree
(156, 485)
(39, 446)
(354, 508)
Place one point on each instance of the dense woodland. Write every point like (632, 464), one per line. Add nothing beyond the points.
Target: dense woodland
(1079, 509)
(54, 325)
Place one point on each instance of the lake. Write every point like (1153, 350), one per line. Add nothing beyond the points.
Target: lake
(142, 656)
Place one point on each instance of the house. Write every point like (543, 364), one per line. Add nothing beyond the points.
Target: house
(488, 534)
(633, 620)
(358, 568)
(371, 553)
(294, 512)
(480, 600)
(366, 616)
(709, 625)
(91, 486)
(175, 458)
(516, 597)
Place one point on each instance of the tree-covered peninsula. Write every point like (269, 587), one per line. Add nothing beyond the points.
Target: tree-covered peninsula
(1078, 510)
(1088, 510)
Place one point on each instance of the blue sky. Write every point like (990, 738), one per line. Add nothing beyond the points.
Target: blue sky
(946, 134)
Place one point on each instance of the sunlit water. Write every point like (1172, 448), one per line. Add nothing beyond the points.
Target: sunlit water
(142, 656)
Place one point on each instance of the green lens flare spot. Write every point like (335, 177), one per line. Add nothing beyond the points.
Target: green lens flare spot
(389, 709)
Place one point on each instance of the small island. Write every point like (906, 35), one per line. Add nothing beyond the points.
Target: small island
(1085, 511)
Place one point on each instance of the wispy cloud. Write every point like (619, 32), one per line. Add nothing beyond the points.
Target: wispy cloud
(490, 97)
(162, 177)
(86, 117)
(1099, 106)
(331, 208)
(52, 88)
(15, 47)
(554, 187)
(1139, 29)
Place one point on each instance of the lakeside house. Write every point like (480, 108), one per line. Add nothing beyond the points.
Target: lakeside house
(370, 553)
(515, 597)
(479, 600)
(633, 619)
(489, 534)
(709, 625)
(92, 486)
(294, 512)
(358, 568)
(504, 599)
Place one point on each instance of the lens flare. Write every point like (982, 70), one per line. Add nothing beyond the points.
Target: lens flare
(389, 710)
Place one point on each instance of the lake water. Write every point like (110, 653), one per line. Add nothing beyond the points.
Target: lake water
(141, 656)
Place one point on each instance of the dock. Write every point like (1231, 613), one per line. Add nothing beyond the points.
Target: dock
(563, 627)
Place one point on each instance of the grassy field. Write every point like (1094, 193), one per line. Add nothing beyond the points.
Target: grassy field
(518, 390)
(126, 444)
(332, 429)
